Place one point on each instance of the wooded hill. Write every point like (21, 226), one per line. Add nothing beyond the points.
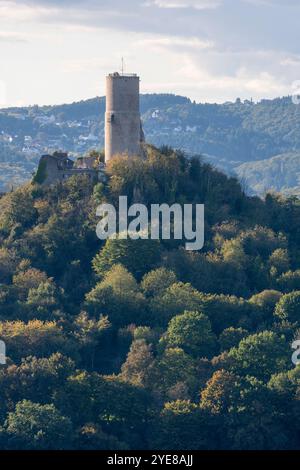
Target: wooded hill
(134, 344)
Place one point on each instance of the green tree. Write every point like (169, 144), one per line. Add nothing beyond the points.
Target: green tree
(245, 412)
(175, 300)
(138, 256)
(35, 379)
(157, 281)
(90, 332)
(226, 311)
(35, 338)
(233, 252)
(288, 308)
(260, 355)
(183, 425)
(266, 301)
(42, 300)
(231, 337)
(173, 367)
(8, 264)
(118, 297)
(280, 261)
(121, 408)
(31, 278)
(37, 427)
(21, 208)
(289, 281)
(192, 332)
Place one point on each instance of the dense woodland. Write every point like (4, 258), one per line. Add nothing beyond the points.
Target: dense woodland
(136, 344)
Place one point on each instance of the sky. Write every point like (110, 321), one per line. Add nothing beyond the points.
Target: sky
(60, 51)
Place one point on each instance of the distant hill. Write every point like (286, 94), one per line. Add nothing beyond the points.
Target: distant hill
(229, 135)
(280, 173)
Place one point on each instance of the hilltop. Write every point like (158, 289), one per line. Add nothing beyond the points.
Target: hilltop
(228, 134)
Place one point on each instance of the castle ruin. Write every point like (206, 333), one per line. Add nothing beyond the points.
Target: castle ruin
(123, 128)
(123, 134)
(58, 168)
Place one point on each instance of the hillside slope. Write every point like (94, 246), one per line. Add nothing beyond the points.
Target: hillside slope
(141, 344)
(280, 173)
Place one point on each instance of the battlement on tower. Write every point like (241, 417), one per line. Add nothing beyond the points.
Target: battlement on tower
(123, 75)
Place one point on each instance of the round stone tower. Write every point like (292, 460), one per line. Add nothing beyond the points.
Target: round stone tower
(123, 133)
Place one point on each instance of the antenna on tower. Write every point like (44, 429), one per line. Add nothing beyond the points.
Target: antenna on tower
(122, 65)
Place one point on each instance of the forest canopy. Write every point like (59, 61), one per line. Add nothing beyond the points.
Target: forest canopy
(141, 344)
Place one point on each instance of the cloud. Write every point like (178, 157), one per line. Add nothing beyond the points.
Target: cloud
(210, 88)
(280, 3)
(235, 23)
(19, 13)
(12, 37)
(93, 63)
(203, 47)
(197, 4)
(219, 74)
(3, 94)
(175, 43)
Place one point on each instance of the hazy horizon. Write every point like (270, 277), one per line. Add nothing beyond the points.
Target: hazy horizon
(42, 105)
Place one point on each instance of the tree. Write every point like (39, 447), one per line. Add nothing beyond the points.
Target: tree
(89, 332)
(231, 337)
(226, 311)
(120, 280)
(21, 208)
(222, 392)
(92, 437)
(289, 281)
(138, 256)
(8, 263)
(192, 332)
(157, 281)
(118, 297)
(35, 379)
(150, 335)
(121, 408)
(158, 177)
(262, 241)
(233, 252)
(42, 300)
(260, 355)
(34, 338)
(98, 192)
(280, 261)
(31, 278)
(175, 300)
(286, 384)
(288, 308)
(172, 367)
(183, 425)
(245, 412)
(139, 359)
(266, 301)
(37, 427)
